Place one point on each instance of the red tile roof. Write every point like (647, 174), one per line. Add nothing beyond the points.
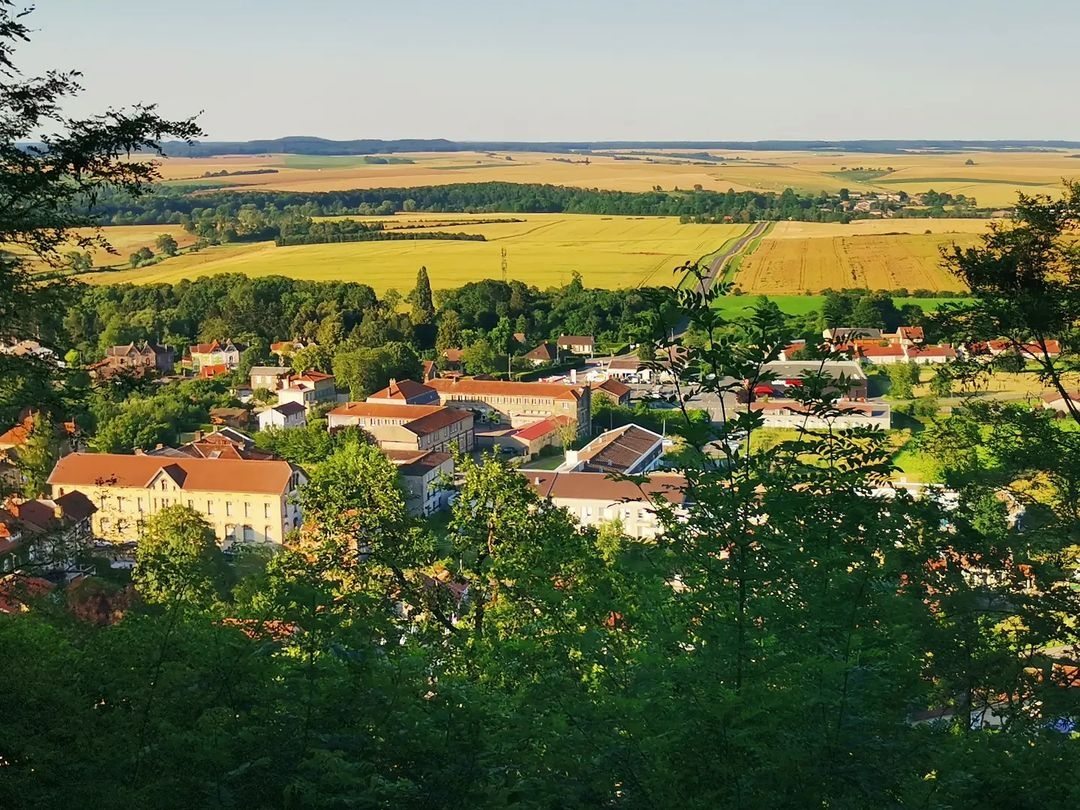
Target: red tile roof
(911, 333)
(470, 386)
(17, 435)
(613, 387)
(538, 430)
(423, 464)
(931, 351)
(545, 352)
(209, 372)
(1054, 396)
(596, 486)
(881, 351)
(385, 410)
(441, 418)
(193, 474)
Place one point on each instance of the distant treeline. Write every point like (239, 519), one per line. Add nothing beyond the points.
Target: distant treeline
(306, 145)
(318, 232)
(173, 206)
(239, 172)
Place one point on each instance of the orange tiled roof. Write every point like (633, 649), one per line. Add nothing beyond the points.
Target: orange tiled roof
(192, 474)
(386, 410)
(471, 386)
(595, 486)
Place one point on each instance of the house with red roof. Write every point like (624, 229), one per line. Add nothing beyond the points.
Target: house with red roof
(309, 389)
(543, 354)
(216, 353)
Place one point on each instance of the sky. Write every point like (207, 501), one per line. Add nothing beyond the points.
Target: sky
(585, 70)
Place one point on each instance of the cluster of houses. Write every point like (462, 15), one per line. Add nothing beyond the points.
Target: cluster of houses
(249, 496)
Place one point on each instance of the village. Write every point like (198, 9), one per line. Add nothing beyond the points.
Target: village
(545, 428)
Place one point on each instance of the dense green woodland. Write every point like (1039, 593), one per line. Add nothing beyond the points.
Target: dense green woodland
(773, 649)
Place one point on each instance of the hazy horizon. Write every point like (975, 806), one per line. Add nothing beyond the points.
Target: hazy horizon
(600, 71)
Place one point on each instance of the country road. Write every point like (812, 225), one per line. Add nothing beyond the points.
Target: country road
(717, 265)
(716, 268)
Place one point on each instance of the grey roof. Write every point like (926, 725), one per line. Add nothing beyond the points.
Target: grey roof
(289, 408)
(828, 368)
(266, 371)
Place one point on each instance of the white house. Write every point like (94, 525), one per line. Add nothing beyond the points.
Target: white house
(285, 415)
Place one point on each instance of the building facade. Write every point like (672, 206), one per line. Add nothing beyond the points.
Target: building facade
(286, 415)
(309, 389)
(518, 403)
(418, 428)
(244, 501)
(144, 358)
(594, 499)
(216, 353)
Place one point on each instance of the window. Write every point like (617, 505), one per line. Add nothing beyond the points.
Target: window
(249, 534)
(138, 503)
(228, 508)
(247, 509)
(162, 484)
(209, 507)
(266, 510)
(119, 503)
(190, 504)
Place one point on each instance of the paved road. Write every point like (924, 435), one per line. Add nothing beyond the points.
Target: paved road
(717, 266)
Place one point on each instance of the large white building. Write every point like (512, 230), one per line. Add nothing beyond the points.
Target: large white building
(594, 499)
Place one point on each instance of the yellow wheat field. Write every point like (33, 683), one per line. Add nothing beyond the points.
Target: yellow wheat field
(878, 262)
(544, 250)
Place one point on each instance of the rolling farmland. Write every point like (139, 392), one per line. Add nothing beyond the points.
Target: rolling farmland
(807, 257)
(992, 178)
(542, 249)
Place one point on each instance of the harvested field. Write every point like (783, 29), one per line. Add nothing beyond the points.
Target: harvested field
(877, 262)
(992, 178)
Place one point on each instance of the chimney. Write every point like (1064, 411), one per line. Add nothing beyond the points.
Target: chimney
(537, 480)
(393, 386)
(573, 376)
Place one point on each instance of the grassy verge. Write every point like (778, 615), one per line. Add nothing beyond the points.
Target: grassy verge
(688, 279)
(736, 261)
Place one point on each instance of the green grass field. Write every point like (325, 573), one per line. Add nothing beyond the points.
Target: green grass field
(734, 305)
